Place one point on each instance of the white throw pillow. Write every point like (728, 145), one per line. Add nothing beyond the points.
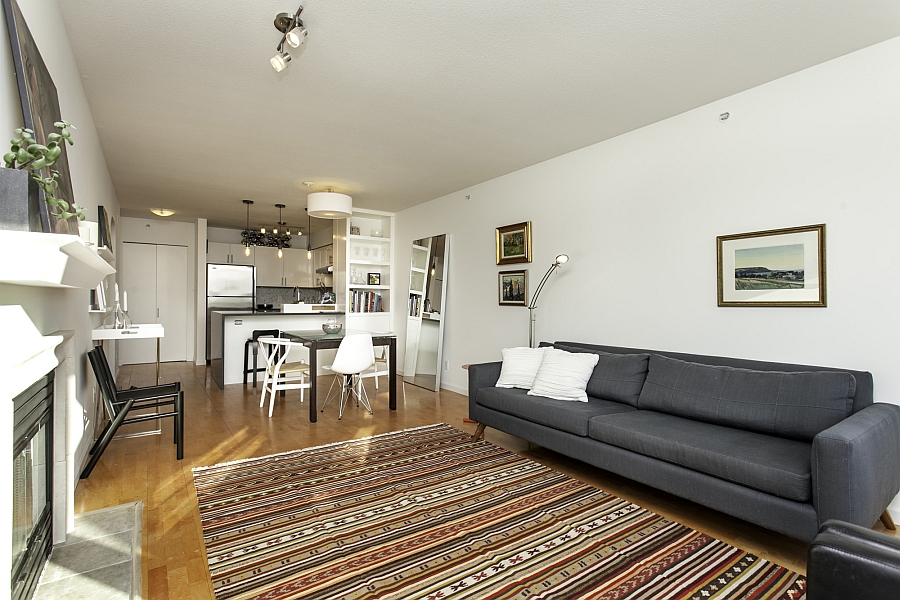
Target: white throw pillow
(564, 375)
(520, 365)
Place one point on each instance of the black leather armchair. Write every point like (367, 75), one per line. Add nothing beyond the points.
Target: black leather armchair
(851, 562)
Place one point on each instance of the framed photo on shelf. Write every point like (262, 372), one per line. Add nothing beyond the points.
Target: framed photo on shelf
(779, 267)
(513, 288)
(374, 278)
(513, 243)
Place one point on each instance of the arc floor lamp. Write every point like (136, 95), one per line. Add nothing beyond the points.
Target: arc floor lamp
(558, 263)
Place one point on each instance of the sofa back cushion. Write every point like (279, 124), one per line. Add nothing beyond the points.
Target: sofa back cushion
(617, 377)
(789, 405)
(862, 398)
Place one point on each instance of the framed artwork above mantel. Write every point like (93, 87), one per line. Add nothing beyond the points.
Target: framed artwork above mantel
(774, 268)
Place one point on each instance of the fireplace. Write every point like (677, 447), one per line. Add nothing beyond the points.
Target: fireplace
(32, 485)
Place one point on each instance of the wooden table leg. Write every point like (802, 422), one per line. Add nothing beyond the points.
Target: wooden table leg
(392, 374)
(313, 383)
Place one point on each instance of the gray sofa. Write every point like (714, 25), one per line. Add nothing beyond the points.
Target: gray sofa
(783, 446)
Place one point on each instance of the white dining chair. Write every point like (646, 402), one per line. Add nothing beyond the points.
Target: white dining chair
(375, 370)
(355, 355)
(281, 374)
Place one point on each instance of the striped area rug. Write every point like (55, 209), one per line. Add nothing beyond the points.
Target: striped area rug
(427, 513)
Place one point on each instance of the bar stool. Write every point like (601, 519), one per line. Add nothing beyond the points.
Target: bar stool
(253, 343)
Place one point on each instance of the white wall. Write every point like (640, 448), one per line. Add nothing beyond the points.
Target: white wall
(172, 233)
(638, 216)
(52, 309)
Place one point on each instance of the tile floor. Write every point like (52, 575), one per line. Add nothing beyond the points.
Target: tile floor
(100, 559)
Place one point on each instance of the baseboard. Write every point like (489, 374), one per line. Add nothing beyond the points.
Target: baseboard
(453, 388)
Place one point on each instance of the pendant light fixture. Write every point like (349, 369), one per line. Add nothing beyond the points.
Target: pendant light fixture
(250, 237)
(308, 236)
(329, 205)
(280, 240)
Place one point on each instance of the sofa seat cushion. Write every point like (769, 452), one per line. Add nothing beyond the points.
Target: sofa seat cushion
(769, 464)
(571, 417)
(790, 405)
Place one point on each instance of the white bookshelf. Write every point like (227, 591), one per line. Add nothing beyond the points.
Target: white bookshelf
(365, 254)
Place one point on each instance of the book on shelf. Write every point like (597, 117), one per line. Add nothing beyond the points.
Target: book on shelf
(414, 302)
(366, 302)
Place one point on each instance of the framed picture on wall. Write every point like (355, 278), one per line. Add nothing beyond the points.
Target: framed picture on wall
(374, 278)
(40, 110)
(513, 288)
(779, 267)
(513, 243)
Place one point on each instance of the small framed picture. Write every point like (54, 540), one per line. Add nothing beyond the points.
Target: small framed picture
(514, 243)
(513, 288)
(374, 278)
(779, 267)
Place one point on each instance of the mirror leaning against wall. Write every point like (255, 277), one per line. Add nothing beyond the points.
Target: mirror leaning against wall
(425, 312)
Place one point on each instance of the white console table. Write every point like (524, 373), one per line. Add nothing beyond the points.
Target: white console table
(135, 332)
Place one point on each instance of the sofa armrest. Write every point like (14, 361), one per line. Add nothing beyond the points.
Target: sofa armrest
(855, 473)
(480, 376)
(849, 561)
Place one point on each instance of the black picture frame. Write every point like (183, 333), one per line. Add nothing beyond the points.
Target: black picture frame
(102, 228)
(40, 107)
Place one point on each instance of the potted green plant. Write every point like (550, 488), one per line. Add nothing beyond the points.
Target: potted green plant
(19, 192)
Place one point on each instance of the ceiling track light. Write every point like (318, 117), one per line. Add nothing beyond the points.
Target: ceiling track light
(294, 34)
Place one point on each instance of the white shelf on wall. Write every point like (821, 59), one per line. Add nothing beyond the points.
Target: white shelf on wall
(362, 286)
(369, 238)
(52, 260)
(371, 263)
(106, 254)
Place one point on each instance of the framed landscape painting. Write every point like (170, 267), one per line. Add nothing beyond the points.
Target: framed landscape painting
(513, 288)
(779, 267)
(514, 243)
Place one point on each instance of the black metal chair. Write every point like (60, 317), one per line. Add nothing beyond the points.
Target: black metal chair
(253, 343)
(119, 403)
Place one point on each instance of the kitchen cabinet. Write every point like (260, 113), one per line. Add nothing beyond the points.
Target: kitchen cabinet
(218, 253)
(297, 268)
(239, 258)
(228, 254)
(290, 270)
(269, 269)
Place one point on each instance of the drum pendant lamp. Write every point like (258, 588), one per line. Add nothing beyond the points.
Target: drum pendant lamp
(329, 205)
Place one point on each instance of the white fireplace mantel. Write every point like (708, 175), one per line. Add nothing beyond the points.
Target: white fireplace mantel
(51, 260)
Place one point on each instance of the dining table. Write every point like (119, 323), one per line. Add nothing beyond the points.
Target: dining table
(317, 340)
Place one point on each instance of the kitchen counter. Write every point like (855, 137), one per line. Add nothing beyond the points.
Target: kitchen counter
(230, 329)
(278, 313)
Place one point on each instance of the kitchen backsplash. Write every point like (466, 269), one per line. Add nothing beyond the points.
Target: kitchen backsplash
(277, 296)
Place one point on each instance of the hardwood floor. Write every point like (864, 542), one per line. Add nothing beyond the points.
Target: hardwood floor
(229, 425)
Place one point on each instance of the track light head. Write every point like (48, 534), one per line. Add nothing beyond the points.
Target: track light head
(280, 61)
(296, 37)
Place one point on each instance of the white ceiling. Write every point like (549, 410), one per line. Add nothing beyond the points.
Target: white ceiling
(399, 102)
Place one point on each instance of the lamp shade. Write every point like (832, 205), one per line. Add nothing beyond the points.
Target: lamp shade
(329, 205)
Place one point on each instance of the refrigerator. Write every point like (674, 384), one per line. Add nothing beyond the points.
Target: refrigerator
(229, 288)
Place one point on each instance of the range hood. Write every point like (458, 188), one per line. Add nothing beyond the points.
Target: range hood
(327, 270)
